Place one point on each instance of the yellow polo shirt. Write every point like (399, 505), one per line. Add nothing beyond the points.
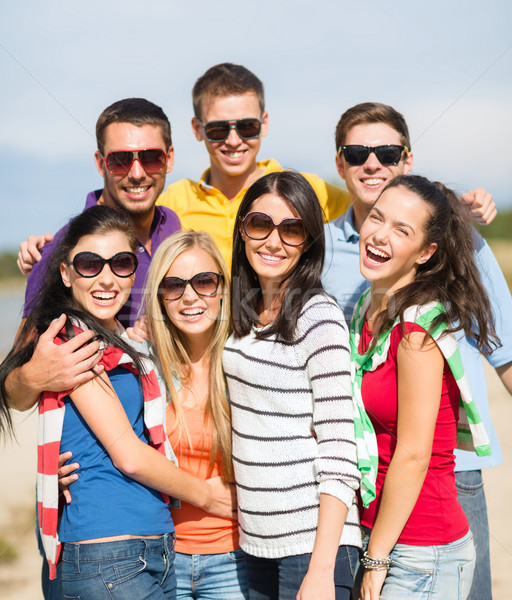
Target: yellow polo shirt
(204, 208)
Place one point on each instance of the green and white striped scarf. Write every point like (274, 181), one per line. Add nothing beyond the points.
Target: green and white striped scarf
(471, 434)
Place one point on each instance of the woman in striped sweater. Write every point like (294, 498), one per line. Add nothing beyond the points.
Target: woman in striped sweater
(287, 368)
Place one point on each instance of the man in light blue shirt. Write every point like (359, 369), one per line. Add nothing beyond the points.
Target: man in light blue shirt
(373, 147)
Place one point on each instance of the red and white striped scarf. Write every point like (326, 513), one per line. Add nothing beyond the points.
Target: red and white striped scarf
(51, 418)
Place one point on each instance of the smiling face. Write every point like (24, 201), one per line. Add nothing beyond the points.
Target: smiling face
(365, 182)
(234, 157)
(192, 314)
(136, 191)
(272, 261)
(101, 296)
(392, 239)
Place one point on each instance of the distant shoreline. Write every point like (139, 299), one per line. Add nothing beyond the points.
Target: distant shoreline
(12, 283)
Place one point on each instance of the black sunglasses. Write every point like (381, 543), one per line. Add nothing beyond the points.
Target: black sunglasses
(259, 225)
(356, 155)
(203, 284)
(218, 131)
(90, 264)
(120, 162)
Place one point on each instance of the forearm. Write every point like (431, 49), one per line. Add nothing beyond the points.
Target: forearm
(21, 388)
(151, 468)
(400, 492)
(319, 579)
(331, 518)
(505, 373)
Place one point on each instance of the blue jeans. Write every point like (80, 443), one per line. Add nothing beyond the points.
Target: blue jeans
(211, 576)
(471, 496)
(281, 578)
(443, 572)
(134, 569)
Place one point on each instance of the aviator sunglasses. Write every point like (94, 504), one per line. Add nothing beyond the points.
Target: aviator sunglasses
(387, 155)
(120, 162)
(258, 226)
(218, 131)
(203, 284)
(90, 264)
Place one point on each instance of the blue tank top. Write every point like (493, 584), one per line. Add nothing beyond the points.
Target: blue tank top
(104, 501)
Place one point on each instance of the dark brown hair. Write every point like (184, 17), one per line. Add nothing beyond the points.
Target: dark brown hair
(226, 79)
(138, 112)
(371, 112)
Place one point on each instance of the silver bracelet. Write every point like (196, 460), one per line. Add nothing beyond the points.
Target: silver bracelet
(375, 564)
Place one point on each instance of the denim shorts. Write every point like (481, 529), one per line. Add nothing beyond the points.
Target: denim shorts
(121, 570)
(213, 576)
(443, 572)
(281, 578)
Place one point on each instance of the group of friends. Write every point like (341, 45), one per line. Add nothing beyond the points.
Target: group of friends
(299, 365)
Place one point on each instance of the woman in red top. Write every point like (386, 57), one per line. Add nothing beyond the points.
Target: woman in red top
(416, 249)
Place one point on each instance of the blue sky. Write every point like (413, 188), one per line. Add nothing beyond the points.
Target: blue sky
(446, 66)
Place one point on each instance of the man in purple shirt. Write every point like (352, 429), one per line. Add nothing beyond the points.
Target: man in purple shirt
(134, 155)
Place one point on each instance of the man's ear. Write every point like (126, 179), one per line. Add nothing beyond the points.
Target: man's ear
(197, 128)
(100, 163)
(264, 124)
(340, 167)
(426, 254)
(64, 273)
(408, 163)
(170, 160)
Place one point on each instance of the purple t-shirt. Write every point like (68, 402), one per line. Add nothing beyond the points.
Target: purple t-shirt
(165, 223)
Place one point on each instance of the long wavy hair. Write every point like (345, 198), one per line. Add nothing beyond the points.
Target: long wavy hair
(305, 280)
(172, 346)
(450, 276)
(55, 299)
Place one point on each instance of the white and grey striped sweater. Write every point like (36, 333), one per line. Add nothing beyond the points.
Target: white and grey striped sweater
(280, 393)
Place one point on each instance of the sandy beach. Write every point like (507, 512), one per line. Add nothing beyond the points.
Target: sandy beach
(19, 578)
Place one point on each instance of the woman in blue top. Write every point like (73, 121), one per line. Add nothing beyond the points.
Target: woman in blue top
(117, 532)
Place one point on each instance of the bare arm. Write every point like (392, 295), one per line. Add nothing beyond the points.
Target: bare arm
(29, 252)
(319, 580)
(420, 374)
(505, 373)
(100, 407)
(480, 205)
(53, 368)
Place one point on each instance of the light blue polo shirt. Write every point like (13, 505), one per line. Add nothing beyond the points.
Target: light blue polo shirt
(343, 280)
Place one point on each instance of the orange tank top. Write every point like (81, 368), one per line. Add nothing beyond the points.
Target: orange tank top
(198, 532)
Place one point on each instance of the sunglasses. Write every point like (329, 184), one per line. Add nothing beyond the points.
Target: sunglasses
(90, 264)
(218, 131)
(387, 155)
(258, 226)
(203, 284)
(120, 162)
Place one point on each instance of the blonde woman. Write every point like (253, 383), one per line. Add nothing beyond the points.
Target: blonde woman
(188, 319)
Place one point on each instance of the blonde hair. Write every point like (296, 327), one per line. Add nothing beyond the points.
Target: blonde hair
(172, 348)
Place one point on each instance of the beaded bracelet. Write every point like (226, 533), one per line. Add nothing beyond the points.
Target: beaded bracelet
(375, 564)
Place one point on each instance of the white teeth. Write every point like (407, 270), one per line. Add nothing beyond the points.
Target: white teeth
(104, 295)
(233, 154)
(137, 190)
(373, 181)
(374, 250)
(193, 311)
(270, 257)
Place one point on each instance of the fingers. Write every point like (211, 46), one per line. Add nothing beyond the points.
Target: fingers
(140, 330)
(29, 253)
(63, 458)
(54, 328)
(130, 331)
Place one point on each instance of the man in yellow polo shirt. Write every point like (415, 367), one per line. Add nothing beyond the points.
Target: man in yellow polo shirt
(230, 118)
